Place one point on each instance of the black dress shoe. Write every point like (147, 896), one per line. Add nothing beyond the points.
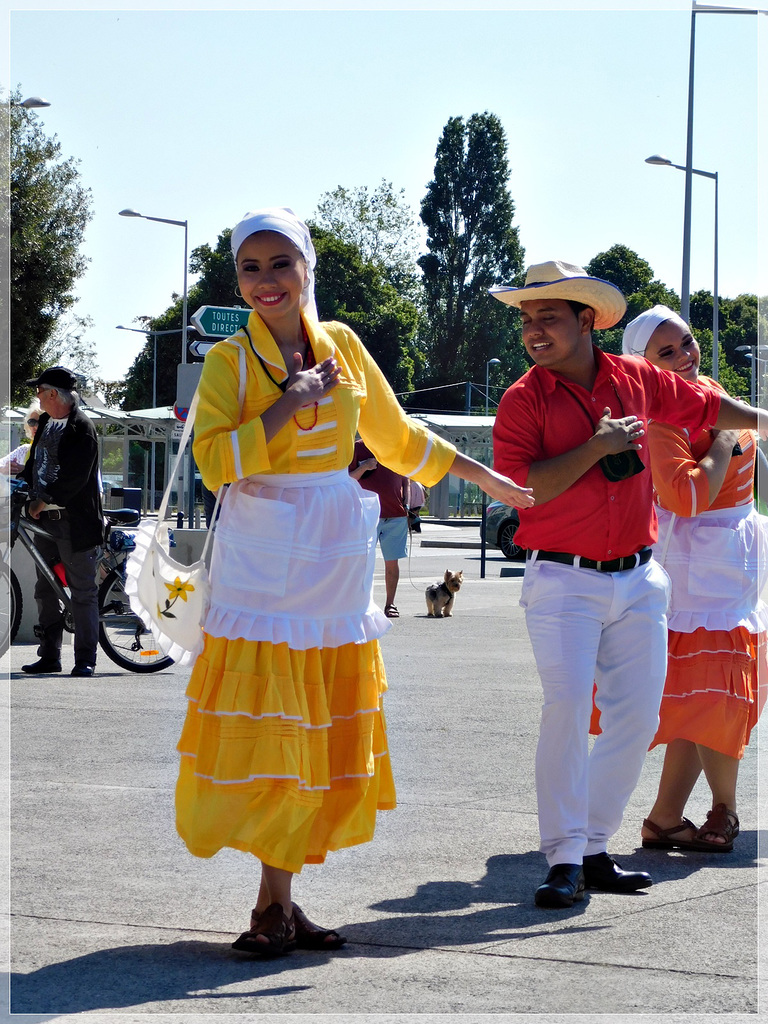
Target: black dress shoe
(563, 885)
(602, 872)
(44, 667)
(82, 669)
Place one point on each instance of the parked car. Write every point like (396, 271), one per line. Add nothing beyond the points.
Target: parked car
(501, 523)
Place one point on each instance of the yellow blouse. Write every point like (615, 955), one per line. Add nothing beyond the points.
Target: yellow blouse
(229, 446)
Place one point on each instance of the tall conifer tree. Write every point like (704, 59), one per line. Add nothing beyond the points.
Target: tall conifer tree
(473, 245)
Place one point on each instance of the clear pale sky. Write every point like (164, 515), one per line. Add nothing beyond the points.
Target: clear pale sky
(202, 115)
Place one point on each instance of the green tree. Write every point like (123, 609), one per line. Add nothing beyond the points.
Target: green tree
(69, 346)
(348, 288)
(356, 291)
(215, 286)
(380, 224)
(633, 276)
(50, 209)
(473, 245)
(623, 268)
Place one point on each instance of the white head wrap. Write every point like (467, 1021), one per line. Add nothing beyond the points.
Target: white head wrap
(284, 222)
(638, 332)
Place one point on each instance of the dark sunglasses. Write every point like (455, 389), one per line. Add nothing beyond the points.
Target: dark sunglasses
(32, 423)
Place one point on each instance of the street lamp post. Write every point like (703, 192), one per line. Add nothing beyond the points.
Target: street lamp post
(154, 335)
(491, 362)
(180, 224)
(662, 161)
(696, 8)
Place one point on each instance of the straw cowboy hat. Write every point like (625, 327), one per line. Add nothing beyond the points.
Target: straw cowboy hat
(557, 280)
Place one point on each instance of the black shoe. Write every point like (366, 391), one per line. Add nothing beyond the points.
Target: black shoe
(563, 885)
(44, 667)
(602, 872)
(82, 668)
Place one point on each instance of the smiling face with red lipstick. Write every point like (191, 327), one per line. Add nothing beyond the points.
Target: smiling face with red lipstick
(271, 273)
(673, 347)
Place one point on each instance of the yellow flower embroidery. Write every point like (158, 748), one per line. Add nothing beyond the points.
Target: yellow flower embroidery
(178, 590)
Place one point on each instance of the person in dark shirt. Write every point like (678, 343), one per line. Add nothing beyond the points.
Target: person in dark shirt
(63, 474)
(394, 497)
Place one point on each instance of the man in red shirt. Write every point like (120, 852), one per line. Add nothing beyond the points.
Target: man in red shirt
(394, 498)
(573, 428)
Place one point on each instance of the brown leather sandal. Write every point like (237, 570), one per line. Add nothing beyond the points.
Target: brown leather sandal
(666, 837)
(312, 936)
(275, 927)
(391, 612)
(720, 822)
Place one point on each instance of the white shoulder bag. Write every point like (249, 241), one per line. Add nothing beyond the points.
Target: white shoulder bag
(172, 599)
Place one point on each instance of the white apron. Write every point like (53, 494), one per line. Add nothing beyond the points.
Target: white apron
(714, 560)
(293, 561)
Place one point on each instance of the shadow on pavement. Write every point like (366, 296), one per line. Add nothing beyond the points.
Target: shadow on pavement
(432, 917)
(133, 975)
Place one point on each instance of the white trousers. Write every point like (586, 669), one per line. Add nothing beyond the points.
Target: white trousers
(585, 627)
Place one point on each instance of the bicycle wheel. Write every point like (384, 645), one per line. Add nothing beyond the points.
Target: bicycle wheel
(122, 635)
(10, 607)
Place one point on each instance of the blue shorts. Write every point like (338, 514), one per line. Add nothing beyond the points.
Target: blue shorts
(393, 538)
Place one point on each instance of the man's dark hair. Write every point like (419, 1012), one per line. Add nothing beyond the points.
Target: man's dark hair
(577, 306)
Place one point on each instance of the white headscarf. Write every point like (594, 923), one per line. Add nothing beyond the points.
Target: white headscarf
(638, 332)
(285, 222)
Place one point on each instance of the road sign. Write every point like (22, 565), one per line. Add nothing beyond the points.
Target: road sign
(187, 379)
(200, 347)
(220, 321)
(180, 412)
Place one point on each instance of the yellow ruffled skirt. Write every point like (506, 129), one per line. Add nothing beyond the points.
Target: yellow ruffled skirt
(283, 752)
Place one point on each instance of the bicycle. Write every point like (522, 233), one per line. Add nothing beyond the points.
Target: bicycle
(122, 635)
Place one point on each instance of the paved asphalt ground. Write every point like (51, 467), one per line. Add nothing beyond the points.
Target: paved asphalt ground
(110, 914)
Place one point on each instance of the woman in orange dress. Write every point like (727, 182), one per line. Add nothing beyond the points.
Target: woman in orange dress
(710, 539)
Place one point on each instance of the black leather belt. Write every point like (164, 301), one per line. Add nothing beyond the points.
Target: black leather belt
(614, 565)
(53, 513)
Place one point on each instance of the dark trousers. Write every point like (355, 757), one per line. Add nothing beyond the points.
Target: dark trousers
(81, 568)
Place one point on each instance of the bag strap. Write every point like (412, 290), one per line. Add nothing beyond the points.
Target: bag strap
(187, 433)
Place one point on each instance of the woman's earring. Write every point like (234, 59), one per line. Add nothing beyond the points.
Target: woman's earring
(238, 293)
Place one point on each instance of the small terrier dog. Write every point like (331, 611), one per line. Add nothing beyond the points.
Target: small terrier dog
(440, 595)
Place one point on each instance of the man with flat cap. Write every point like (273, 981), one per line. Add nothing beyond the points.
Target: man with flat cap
(574, 428)
(63, 476)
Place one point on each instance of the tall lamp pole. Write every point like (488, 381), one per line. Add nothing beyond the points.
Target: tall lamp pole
(154, 335)
(696, 8)
(180, 224)
(491, 362)
(662, 161)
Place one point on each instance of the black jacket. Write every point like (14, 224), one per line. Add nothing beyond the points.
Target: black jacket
(77, 487)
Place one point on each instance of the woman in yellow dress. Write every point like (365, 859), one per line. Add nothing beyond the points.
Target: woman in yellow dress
(284, 747)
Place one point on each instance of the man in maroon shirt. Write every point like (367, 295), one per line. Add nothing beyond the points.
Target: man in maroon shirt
(573, 428)
(394, 499)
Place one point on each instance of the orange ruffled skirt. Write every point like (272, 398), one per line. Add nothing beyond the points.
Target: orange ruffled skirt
(283, 752)
(714, 692)
(715, 688)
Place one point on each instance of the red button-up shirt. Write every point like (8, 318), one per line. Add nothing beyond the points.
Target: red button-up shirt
(544, 414)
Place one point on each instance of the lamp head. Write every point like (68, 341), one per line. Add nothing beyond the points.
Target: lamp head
(661, 161)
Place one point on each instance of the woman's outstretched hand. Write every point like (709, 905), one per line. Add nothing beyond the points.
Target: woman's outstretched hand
(501, 488)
